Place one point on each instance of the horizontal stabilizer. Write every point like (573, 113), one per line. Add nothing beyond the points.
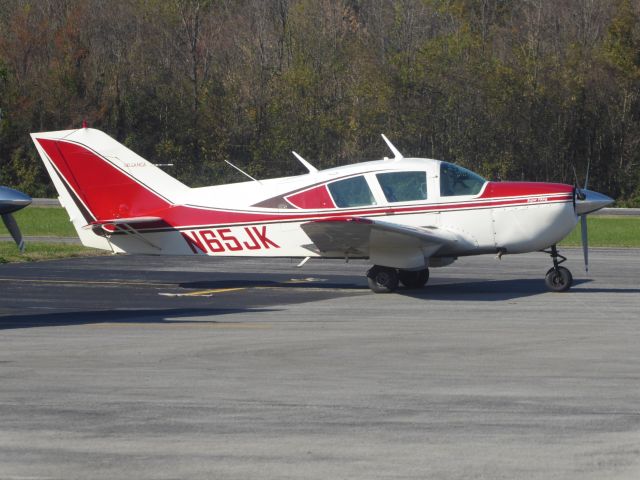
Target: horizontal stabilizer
(124, 221)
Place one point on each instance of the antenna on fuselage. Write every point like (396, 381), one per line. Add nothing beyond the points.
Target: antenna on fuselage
(396, 152)
(243, 172)
(306, 164)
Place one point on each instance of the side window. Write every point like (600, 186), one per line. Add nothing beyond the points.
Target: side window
(351, 192)
(403, 186)
(455, 180)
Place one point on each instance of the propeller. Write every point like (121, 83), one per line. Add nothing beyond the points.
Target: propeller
(585, 241)
(583, 225)
(582, 195)
(12, 226)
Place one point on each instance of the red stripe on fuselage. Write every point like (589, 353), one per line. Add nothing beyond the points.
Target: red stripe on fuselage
(186, 217)
(520, 189)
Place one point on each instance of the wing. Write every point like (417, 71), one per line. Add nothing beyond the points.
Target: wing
(385, 243)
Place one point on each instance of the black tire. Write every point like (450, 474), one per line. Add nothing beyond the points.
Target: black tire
(414, 278)
(382, 279)
(559, 280)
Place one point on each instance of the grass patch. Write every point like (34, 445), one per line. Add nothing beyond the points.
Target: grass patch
(43, 221)
(44, 251)
(608, 232)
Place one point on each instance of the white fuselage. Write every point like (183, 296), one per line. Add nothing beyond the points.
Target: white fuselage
(513, 224)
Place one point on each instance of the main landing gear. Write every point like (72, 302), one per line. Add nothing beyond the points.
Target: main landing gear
(387, 279)
(557, 279)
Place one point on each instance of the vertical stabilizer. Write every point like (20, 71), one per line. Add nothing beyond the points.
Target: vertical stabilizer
(99, 179)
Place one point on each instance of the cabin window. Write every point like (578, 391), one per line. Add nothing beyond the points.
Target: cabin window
(455, 180)
(351, 192)
(403, 186)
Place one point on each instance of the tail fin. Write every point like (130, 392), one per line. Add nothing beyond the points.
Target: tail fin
(99, 179)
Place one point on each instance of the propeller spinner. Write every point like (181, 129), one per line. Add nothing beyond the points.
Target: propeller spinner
(11, 201)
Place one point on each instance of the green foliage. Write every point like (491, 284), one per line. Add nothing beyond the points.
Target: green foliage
(513, 90)
(622, 45)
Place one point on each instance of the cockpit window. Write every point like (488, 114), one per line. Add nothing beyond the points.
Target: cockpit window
(351, 192)
(455, 180)
(403, 186)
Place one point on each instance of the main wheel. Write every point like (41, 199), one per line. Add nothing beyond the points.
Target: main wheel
(414, 278)
(382, 279)
(558, 280)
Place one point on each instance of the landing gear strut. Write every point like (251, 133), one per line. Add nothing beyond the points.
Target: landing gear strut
(557, 279)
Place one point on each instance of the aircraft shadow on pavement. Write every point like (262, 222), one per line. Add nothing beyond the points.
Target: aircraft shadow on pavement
(485, 291)
(170, 316)
(441, 289)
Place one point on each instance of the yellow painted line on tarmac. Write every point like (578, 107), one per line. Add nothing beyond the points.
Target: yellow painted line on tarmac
(272, 286)
(203, 293)
(214, 290)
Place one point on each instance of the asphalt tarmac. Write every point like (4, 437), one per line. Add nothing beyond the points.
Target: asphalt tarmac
(171, 368)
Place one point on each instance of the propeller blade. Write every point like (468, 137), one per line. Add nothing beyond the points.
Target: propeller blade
(12, 226)
(585, 241)
(586, 180)
(575, 176)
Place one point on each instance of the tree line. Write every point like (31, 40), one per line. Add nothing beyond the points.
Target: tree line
(513, 89)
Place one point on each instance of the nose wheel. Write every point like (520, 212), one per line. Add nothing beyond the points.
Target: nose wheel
(557, 279)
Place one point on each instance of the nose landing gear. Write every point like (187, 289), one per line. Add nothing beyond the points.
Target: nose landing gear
(557, 279)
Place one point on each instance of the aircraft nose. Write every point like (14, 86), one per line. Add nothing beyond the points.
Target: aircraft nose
(588, 201)
(12, 200)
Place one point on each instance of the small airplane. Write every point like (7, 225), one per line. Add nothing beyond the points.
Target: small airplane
(11, 201)
(403, 214)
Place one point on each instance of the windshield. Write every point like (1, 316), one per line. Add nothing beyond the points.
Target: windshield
(455, 180)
